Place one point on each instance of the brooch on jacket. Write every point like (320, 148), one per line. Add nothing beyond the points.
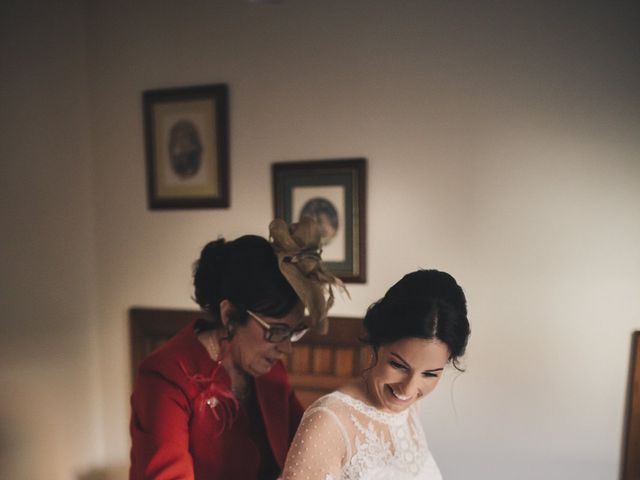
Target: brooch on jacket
(215, 397)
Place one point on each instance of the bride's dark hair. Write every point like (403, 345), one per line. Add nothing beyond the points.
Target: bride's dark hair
(424, 304)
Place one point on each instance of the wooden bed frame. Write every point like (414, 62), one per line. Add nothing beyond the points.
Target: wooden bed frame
(317, 365)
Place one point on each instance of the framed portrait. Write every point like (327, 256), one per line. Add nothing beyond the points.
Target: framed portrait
(187, 147)
(332, 192)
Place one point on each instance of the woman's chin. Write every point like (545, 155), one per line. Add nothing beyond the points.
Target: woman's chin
(261, 367)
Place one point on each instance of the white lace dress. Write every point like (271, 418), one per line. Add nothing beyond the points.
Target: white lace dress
(343, 438)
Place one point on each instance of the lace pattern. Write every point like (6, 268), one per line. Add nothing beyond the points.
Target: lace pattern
(371, 412)
(361, 443)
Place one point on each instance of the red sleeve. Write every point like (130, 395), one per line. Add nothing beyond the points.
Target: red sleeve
(296, 410)
(160, 413)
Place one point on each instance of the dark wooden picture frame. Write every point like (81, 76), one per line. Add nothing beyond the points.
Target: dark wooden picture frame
(631, 444)
(334, 193)
(187, 147)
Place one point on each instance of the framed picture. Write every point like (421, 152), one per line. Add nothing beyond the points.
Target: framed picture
(187, 147)
(332, 192)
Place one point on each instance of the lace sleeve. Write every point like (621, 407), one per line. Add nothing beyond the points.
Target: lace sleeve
(319, 448)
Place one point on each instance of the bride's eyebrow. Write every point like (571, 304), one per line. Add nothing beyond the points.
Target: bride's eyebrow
(406, 364)
(432, 370)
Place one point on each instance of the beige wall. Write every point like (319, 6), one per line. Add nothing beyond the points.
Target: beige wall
(502, 147)
(50, 407)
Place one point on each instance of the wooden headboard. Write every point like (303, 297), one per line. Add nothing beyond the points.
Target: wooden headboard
(317, 365)
(631, 447)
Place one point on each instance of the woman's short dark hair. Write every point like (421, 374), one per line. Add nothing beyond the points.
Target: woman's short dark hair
(424, 304)
(245, 272)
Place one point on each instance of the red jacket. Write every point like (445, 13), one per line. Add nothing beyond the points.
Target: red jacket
(183, 425)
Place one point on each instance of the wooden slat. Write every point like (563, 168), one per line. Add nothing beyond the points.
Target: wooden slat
(326, 383)
(322, 360)
(300, 359)
(344, 364)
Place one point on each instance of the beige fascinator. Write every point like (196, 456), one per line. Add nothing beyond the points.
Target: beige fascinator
(298, 249)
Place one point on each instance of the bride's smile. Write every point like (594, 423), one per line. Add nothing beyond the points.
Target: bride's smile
(406, 370)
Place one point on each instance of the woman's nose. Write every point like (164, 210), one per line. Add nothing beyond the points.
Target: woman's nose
(412, 386)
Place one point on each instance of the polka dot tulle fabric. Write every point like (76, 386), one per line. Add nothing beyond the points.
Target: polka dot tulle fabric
(342, 438)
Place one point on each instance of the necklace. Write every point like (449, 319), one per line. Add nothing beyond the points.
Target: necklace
(240, 385)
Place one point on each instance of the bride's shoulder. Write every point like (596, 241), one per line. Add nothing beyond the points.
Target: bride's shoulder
(337, 404)
(331, 401)
(338, 397)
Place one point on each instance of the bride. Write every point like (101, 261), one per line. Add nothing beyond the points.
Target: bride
(369, 430)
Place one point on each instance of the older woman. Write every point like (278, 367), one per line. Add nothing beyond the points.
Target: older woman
(214, 402)
(369, 430)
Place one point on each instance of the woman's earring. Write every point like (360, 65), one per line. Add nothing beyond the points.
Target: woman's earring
(229, 331)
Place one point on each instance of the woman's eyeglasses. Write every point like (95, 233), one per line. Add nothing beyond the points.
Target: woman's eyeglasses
(279, 333)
